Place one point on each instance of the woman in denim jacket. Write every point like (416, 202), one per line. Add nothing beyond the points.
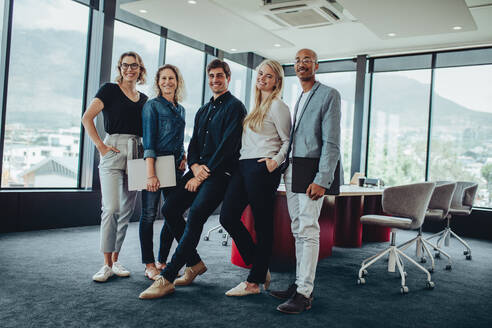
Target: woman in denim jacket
(163, 121)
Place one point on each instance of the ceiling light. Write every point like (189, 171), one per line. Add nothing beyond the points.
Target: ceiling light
(457, 28)
(143, 11)
(233, 49)
(192, 2)
(276, 45)
(391, 34)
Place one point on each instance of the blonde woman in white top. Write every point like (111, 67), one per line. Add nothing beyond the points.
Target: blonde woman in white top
(265, 141)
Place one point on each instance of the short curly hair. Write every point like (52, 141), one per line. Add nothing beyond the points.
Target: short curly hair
(217, 63)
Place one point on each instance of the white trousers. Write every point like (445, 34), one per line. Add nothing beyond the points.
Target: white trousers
(304, 214)
(117, 202)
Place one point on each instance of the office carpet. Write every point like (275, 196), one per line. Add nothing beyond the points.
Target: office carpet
(45, 281)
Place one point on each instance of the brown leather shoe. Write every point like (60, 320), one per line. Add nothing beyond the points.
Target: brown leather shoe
(296, 304)
(160, 288)
(284, 294)
(190, 274)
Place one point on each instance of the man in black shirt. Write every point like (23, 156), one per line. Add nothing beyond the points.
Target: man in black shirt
(212, 155)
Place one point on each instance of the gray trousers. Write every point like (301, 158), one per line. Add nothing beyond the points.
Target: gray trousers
(117, 202)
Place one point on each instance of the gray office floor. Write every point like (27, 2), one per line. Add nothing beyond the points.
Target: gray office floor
(45, 281)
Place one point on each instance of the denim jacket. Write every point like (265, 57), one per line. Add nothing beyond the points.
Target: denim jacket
(163, 129)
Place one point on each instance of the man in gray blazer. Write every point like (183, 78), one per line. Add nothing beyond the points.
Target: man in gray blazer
(314, 146)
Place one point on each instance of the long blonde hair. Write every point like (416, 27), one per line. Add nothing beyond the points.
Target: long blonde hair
(180, 92)
(254, 120)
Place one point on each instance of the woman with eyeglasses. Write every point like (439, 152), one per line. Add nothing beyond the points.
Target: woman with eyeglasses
(121, 105)
(163, 134)
(265, 141)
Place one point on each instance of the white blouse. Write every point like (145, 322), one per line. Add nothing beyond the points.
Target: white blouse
(272, 140)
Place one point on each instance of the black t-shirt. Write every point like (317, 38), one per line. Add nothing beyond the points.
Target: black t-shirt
(121, 114)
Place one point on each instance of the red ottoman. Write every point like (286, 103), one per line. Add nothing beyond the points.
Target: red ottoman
(283, 250)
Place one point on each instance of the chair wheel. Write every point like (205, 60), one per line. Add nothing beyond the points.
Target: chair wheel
(469, 257)
(361, 281)
(448, 267)
(404, 290)
(423, 260)
(205, 238)
(430, 285)
(224, 243)
(465, 252)
(220, 230)
(364, 272)
(437, 255)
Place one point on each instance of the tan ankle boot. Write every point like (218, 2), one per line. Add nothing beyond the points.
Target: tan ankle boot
(161, 287)
(190, 274)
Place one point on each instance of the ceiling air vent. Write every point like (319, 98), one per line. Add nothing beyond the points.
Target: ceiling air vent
(301, 17)
(330, 13)
(304, 13)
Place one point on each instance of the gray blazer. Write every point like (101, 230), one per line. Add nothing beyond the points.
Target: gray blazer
(317, 133)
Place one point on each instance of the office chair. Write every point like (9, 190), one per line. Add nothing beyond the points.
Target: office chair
(461, 204)
(220, 230)
(405, 207)
(438, 210)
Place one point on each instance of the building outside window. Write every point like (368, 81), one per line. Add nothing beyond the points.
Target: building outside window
(45, 90)
(398, 126)
(461, 131)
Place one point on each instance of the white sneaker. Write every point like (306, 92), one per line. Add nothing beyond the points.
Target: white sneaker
(103, 274)
(120, 270)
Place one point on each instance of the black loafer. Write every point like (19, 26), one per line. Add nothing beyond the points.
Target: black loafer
(296, 304)
(284, 294)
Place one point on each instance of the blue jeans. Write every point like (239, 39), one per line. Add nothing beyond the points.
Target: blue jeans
(201, 204)
(150, 204)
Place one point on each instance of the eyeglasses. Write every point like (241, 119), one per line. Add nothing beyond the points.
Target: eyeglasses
(304, 61)
(133, 66)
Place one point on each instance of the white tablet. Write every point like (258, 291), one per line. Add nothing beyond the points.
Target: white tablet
(164, 169)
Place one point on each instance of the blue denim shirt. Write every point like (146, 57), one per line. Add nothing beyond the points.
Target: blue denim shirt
(163, 129)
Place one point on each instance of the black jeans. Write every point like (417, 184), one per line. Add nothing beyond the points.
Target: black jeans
(252, 184)
(201, 204)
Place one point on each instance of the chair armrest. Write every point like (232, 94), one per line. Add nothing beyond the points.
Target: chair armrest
(469, 195)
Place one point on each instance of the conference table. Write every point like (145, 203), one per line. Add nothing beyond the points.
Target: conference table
(339, 225)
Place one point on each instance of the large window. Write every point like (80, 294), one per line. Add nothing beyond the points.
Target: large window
(252, 91)
(398, 126)
(146, 44)
(344, 82)
(2, 5)
(461, 139)
(45, 89)
(237, 86)
(191, 64)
